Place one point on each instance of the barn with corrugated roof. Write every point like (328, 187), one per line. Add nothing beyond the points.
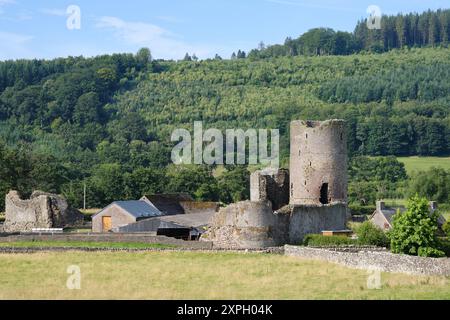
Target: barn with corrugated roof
(122, 213)
(180, 215)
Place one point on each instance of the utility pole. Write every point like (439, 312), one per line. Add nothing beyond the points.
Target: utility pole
(84, 197)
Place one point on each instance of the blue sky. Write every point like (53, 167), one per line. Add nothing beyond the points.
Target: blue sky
(170, 28)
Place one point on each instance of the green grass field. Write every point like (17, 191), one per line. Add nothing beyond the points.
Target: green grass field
(189, 275)
(424, 163)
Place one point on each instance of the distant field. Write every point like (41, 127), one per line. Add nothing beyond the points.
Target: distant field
(395, 202)
(189, 275)
(424, 163)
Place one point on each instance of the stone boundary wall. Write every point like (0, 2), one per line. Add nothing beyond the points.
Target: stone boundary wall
(18, 250)
(350, 248)
(383, 261)
(100, 237)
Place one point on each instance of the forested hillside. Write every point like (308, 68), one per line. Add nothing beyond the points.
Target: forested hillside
(395, 103)
(431, 28)
(106, 122)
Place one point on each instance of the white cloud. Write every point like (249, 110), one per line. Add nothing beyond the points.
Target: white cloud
(163, 43)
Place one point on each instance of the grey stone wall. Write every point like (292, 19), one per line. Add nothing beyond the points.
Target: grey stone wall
(255, 225)
(383, 261)
(287, 205)
(270, 185)
(248, 225)
(318, 156)
(42, 210)
(309, 219)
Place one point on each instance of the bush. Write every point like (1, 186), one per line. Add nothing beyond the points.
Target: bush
(430, 252)
(371, 235)
(415, 229)
(444, 245)
(318, 240)
(446, 228)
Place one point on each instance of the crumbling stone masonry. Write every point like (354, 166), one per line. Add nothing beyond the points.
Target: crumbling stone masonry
(248, 224)
(310, 219)
(270, 185)
(42, 210)
(318, 162)
(286, 205)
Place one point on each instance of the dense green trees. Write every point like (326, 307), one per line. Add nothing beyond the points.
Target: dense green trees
(318, 41)
(26, 171)
(371, 179)
(430, 28)
(433, 184)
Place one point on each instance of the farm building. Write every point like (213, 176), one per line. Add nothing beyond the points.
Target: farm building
(179, 204)
(175, 215)
(383, 216)
(122, 213)
(168, 204)
(182, 226)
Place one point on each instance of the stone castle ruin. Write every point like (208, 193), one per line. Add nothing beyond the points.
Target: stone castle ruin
(42, 210)
(286, 205)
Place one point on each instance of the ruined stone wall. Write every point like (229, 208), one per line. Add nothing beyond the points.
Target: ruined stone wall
(313, 219)
(42, 210)
(62, 214)
(24, 215)
(270, 185)
(318, 162)
(248, 225)
(287, 205)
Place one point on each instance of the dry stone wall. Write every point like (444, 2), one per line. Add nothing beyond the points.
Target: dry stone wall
(383, 261)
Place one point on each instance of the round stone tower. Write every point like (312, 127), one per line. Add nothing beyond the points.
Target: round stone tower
(318, 162)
